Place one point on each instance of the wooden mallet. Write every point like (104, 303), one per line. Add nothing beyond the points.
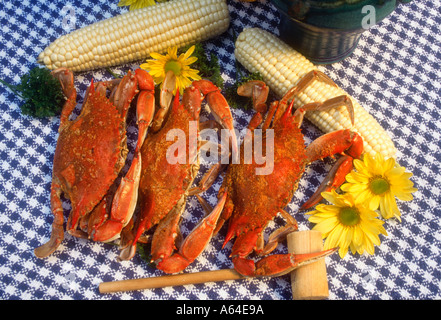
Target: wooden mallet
(308, 281)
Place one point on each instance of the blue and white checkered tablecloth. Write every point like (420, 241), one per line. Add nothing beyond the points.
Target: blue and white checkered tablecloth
(394, 73)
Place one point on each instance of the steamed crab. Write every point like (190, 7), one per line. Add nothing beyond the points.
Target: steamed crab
(166, 181)
(253, 200)
(91, 151)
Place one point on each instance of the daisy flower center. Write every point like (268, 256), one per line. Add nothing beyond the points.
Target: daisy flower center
(349, 216)
(174, 66)
(379, 185)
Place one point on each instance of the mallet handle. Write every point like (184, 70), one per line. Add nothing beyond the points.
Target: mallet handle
(169, 280)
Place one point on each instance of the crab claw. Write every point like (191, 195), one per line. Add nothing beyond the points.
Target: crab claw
(65, 76)
(332, 181)
(345, 142)
(258, 91)
(194, 243)
(165, 99)
(278, 265)
(221, 111)
(272, 265)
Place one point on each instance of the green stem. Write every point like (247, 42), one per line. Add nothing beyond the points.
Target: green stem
(115, 75)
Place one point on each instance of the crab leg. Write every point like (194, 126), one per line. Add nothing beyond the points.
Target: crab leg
(332, 181)
(124, 93)
(123, 205)
(220, 109)
(328, 104)
(258, 91)
(337, 142)
(344, 142)
(165, 97)
(194, 243)
(67, 84)
(273, 265)
(280, 264)
(277, 236)
(269, 117)
(208, 179)
(167, 234)
(57, 234)
(304, 82)
(104, 86)
(145, 106)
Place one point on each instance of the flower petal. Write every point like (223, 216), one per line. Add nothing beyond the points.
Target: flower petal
(326, 225)
(188, 53)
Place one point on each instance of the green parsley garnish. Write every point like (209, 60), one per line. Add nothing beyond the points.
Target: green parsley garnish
(41, 92)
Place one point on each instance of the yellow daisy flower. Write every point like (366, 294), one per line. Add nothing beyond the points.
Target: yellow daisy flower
(136, 4)
(347, 223)
(379, 181)
(161, 64)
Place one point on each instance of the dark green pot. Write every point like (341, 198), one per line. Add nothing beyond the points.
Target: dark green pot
(328, 31)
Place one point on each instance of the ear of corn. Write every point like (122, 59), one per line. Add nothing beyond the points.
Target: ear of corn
(282, 67)
(133, 35)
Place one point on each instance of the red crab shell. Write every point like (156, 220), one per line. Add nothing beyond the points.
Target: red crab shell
(84, 168)
(162, 184)
(258, 198)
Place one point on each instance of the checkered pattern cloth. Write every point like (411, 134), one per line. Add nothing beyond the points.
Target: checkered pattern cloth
(394, 73)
